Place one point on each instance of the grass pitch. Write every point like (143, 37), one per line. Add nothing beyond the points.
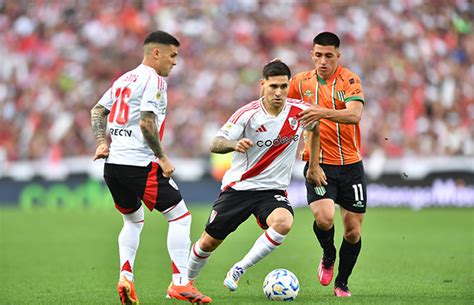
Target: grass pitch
(71, 257)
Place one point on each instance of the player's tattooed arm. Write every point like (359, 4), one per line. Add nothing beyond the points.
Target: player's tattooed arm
(221, 145)
(99, 123)
(150, 132)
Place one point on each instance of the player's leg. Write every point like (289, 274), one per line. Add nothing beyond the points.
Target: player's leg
(274, 213)
(130, 207)
(321, 203)
(352, 200)
(162, 194)
(349, 250)
(200, 253)
(230, 210)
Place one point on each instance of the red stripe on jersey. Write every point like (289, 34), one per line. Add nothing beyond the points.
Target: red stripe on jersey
(235, 117)
(146, 84)
(271, 240)
(160, 83)
(175, 269)
(182, 216)
(274, 151)
(298, 102)
(151, 189)
(162, 129)
(228, 186)
(126, 267)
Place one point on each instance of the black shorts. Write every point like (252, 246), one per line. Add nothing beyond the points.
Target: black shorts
(233, 207)
(129, 185)
(346, 186)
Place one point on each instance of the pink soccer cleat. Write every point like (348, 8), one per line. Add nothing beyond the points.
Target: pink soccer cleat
(342, 291)
(325, 271)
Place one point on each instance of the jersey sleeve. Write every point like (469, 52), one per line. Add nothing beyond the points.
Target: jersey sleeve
(233, 129)
(353, 89)
(107, 99)
(154, 92)
(294, 90)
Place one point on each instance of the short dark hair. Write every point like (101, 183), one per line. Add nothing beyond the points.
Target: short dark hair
(161, 37)
(327, 39)
(276, 68)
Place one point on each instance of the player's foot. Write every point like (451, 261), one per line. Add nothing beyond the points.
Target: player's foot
(325, 270)
(187, 293)
(231, 281)
(341, 290)
(126, 291)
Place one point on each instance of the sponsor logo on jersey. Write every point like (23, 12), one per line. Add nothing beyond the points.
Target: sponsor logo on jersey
(278, 141)
(261, 129)
(121, 132)
(340, 95)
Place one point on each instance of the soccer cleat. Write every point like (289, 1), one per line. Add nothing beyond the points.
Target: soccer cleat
(325, 271)
(231, 281)
(187, 293)
(342, 291)
(126, 291)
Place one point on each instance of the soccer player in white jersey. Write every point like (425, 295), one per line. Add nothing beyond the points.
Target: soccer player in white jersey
(137, 168)
(263, 136)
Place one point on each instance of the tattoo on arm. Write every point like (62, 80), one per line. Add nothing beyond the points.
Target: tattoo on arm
(221, 145)
(150, 132)
(99, 123)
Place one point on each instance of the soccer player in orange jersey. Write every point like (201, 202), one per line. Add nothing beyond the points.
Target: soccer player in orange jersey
(337, 97)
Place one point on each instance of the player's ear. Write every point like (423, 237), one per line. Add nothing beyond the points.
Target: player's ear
(262, 88)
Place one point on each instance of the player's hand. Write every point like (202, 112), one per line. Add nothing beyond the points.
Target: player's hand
(166, 165)
(315, 175)
(102, 151)
(243, 145)
(311, 115)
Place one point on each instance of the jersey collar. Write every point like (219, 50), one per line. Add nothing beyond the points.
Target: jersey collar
(329, 80)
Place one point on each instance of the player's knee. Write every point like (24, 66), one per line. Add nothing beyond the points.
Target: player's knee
(208, 243)
(352, 235)
(324, 222)
(282, 225)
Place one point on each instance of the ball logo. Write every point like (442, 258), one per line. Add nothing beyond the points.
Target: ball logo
(278, 141)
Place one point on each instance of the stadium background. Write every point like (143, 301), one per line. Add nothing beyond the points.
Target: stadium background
(415, 59)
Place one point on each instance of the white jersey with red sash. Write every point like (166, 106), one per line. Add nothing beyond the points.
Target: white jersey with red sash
(141, 89)
(269, 163)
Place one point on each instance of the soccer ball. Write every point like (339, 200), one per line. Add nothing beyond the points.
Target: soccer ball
(281, 285)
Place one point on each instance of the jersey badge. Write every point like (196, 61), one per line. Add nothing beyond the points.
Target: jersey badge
(158, 95)
(212, 216)
(309, 93)
(293, 123)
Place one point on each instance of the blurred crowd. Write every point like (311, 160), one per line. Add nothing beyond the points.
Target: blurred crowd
(415, 58)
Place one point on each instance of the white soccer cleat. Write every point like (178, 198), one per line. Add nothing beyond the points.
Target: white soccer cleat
(233, 276)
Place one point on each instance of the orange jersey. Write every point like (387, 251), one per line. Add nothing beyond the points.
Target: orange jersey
(340, 143)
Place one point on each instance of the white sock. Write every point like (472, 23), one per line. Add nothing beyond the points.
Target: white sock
(264, 245)
(128, 240)
(197, 260)
(179, 226)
